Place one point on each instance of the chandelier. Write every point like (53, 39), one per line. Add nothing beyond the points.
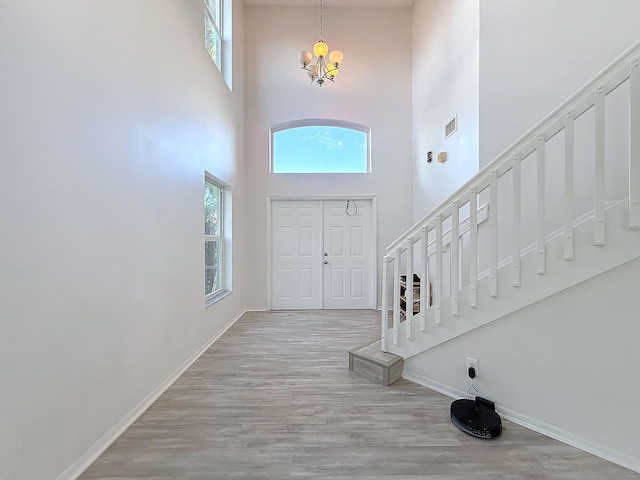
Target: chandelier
(322, 70)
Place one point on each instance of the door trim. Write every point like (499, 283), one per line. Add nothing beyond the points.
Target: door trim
(374, 228)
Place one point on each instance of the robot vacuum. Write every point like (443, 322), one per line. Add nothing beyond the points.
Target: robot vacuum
(476, 417)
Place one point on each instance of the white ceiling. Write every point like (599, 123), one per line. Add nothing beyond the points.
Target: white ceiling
(333, 3)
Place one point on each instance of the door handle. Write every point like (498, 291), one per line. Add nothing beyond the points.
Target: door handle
(326, 263)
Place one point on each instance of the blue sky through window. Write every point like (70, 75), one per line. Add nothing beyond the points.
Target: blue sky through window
(320, 149)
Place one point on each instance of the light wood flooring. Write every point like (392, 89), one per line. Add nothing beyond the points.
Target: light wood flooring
(274, 399)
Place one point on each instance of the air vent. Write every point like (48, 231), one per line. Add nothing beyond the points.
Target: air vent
(451, 127)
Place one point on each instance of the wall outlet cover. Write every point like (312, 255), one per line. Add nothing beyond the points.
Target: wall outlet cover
(472, 362)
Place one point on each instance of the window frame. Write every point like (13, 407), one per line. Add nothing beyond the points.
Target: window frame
(317, 122)
(222, 239)
(218, 29)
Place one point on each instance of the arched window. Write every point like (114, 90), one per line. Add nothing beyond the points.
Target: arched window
(320, 146)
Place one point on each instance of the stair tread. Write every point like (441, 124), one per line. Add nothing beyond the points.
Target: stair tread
(371, 351)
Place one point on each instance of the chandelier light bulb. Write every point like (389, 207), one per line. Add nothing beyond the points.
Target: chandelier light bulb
(312, 71)
(335, 57)
(304, 58)
(332, 71)
(320, 49)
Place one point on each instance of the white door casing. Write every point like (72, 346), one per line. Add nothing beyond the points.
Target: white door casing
(322, 254)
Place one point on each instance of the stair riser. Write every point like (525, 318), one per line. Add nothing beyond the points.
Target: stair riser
(382, 374)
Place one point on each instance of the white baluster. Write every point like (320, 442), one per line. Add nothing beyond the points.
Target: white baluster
(396, 295)
(424, 283)
(385, 303)
(473, 248)
(568, 186)
(541, 226)
(493, 241)
(408, 291)
(634, 147)
(438, 280)
(455, 252)
(598, 173)
(517, 215)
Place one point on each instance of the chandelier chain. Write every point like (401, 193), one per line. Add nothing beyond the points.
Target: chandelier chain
(320, 19)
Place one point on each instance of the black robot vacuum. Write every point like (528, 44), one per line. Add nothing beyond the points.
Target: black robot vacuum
(476, 417)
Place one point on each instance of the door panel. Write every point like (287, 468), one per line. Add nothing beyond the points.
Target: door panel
(357, 283)
(357, 241)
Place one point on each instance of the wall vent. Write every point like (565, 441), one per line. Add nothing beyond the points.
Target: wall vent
(451, 127)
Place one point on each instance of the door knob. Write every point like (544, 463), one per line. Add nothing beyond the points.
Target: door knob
(326, 254)
(326, 263)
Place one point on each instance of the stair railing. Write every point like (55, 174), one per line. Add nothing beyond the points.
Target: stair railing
(434, 239)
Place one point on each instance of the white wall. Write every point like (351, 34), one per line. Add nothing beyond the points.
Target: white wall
(445, 83)
(374, 89)
(569, 362)
(111, 112)
(535, 54)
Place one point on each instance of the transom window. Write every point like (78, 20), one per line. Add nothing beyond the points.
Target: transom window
(320, 146)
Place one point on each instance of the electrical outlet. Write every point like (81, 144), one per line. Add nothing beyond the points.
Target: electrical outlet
(472, 362)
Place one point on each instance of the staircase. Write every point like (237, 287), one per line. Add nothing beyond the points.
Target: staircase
(542, 217)
(549, 229)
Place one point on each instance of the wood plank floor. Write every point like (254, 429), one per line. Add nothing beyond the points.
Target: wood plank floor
(274, 399)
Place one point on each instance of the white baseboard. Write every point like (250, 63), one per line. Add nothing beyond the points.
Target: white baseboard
(536, 425)
(90, 456)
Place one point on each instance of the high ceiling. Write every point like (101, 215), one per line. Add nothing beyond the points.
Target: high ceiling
(333, 3)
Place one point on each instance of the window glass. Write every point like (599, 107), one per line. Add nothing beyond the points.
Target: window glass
(320, 149)
(213, 30)
(213, 239)
(212, 271)
(214, 7)
(212, 201)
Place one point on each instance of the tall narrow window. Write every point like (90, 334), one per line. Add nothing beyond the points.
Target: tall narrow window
(213, 30)
(320, 146)
(213, 239)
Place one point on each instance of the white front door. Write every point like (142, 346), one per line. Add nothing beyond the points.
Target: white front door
(322, 254)
(296, 280)
(348, 250)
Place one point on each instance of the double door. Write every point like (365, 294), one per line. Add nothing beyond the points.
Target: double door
(322, 254)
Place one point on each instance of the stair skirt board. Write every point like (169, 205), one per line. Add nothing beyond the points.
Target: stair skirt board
(599, 450)
(370, 361)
